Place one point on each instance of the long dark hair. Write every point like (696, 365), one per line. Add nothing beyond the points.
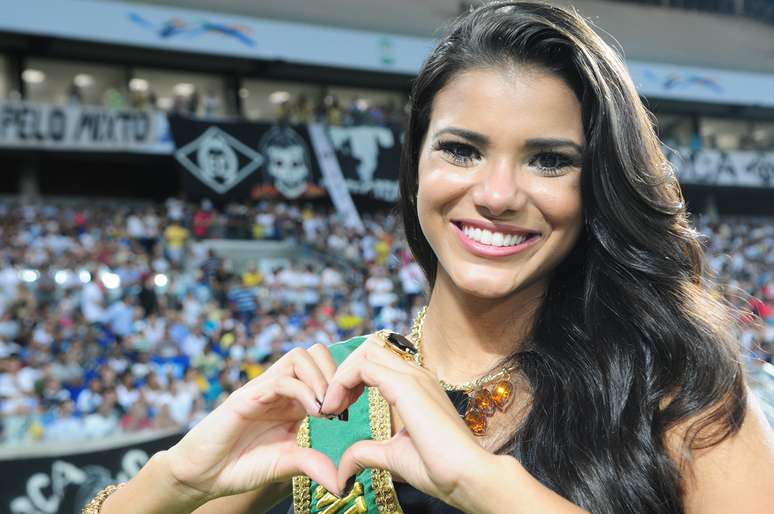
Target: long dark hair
(629, 342)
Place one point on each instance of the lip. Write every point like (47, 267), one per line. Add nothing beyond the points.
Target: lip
(483, 250)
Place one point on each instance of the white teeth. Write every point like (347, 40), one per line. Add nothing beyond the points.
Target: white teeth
(493, 238)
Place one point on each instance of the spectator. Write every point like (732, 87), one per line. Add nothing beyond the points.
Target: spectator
(66, 426)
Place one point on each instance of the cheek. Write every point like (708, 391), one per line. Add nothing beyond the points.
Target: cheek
(436, 187)
(561, 205)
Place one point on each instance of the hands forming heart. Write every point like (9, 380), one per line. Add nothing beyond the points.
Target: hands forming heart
(249, 440)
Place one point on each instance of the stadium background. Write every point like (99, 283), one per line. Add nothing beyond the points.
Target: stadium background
(188, 193)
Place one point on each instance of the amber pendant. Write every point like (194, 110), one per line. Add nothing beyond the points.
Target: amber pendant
(475, 419)
(502, 394)
(484, 402)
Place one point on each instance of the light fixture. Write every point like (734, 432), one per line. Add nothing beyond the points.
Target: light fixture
(279, 97)
(32, 76)
(62, 276)
(138, 85)
(184, 89)
(110, 279)
(243, 92)
(160, 280)
(29, 275)
(84, 276)
(83, 80)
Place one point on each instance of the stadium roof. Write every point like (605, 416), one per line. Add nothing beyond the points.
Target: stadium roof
(647, 33)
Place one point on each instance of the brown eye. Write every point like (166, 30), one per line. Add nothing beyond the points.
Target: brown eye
(461, 154)
(552, 163)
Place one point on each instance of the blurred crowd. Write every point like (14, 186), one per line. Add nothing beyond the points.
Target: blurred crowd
(740, 255)
(118, 319)
(332, 110)
(299, 108)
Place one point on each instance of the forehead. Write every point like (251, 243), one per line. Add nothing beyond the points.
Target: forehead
(517, 103)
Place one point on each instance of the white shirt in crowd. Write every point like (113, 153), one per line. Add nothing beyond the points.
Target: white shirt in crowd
(193, 344)
(135, 228)
(88, 400)
(380, 291)
(91, 302)
(331, 278)
(412, 280)
(65, 429)
(126, 396)
(179, 404)
(99, 426)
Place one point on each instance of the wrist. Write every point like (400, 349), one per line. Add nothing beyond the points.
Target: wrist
(481, 486)
(154, 490)
(162, 462)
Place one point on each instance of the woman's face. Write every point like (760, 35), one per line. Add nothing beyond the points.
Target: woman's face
(499, 179)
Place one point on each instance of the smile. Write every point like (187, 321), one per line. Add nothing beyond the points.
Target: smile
(494, 243)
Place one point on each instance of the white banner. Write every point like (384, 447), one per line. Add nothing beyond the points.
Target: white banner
(723, 168)
(333, 178)
(696, 84)
(187, 30)
(82, 128)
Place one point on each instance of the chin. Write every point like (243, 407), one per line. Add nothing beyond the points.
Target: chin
(491, 288)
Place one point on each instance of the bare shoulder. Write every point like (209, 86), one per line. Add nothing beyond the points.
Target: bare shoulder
(736, 475)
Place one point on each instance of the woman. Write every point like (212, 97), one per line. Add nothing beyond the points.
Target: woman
(565, 277)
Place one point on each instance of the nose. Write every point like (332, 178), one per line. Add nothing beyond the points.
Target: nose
(498, 189)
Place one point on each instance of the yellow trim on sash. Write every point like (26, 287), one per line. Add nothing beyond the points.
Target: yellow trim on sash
(381, 430)
(302, 501)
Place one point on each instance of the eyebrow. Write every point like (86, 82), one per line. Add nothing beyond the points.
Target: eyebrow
(482, 140)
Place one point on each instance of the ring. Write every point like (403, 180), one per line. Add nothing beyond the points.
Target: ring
(398, 345)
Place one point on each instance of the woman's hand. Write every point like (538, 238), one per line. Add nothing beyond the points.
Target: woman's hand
(435, 451)
(249, 440)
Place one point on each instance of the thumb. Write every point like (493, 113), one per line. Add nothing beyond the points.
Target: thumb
(361, 455)
(309, 462)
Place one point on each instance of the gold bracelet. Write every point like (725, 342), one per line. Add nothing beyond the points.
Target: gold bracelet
(94, 506)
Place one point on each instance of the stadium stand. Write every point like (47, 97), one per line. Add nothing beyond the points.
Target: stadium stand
(122, 319)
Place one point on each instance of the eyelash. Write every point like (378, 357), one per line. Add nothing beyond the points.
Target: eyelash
(454, 150)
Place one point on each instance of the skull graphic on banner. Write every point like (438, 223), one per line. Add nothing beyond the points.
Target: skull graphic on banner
(288, 161)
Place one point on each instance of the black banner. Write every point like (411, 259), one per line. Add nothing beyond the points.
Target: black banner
(369, 157)
(64, 484)
(239, 160)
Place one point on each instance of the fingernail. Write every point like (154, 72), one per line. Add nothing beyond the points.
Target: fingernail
(320, 412)
(344, 416)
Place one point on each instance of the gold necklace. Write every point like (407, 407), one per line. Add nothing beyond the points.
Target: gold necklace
(482, 402)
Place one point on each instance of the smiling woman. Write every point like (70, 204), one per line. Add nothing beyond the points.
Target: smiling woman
(571, 357)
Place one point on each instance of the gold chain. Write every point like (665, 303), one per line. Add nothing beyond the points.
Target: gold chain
(416, 338)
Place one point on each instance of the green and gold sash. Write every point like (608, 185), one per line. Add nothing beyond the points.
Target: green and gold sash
(369, 418)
